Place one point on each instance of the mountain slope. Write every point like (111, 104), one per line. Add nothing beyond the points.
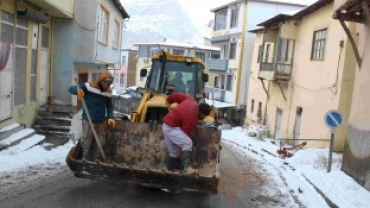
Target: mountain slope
(156, 20)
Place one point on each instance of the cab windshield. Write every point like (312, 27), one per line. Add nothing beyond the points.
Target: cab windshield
(177, 77)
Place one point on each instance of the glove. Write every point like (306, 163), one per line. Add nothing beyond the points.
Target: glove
(111, 122)
(80, 94)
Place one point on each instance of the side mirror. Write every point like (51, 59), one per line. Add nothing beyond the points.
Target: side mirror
(143, 72)
(205, 77)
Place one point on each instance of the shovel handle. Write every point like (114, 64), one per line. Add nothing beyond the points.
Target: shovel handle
(92, 125)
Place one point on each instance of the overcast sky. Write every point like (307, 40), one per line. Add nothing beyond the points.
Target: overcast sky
(200, 9)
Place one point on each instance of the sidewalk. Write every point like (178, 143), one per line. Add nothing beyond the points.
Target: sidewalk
(305, 173)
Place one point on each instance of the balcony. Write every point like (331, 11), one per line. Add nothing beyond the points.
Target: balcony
(278, 72)
(217, 93)
(277, 66)
(217, 64)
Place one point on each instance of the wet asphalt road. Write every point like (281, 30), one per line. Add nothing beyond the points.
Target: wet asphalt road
(241, 185)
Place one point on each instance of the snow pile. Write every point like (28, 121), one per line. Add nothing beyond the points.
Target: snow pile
(305, 174)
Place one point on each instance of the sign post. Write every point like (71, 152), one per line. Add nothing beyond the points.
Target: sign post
(332, 119)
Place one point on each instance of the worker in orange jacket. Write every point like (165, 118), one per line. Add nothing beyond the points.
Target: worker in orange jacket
(98, 99)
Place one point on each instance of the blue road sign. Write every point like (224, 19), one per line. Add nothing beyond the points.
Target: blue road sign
(333, 119)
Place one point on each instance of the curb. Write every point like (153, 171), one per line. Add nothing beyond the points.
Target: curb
(328, 201)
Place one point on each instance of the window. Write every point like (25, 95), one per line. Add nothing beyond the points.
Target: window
(21, 63)
(121, 79)
(201, 55)
(117, 78)
(222, 81)
(229, 82)
(45, 37)
(252, 106)
(33, 74)
(267, 53)
(180, 52)
(232, 53)
(215, 55)
(259, 111)
(103, 25)
(284, 49)
(216, 82)
(220, 20)
(123, 61)
(318, 45)
(234, 17)
(116, 34)
(259, 54)
(94, 76)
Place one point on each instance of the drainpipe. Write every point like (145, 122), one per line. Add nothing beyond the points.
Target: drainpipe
(240, 62)
(267, 100)
(50, 93)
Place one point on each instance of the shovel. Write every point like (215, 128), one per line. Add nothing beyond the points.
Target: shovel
(92, 126)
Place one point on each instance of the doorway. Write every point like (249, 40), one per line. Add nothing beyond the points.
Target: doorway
(279, 115)
(44, 65)
(82, 78)
(6, 65)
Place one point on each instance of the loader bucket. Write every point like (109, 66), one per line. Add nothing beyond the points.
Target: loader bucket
(136, 154)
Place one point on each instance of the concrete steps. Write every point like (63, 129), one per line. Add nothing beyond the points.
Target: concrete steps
(55, 123)
(16, 138)
(28, 143)
(9, 130)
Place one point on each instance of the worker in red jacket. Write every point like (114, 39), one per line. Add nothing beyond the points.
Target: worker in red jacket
(177, 127)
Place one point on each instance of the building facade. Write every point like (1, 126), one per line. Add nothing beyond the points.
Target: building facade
(356, 154)
(26, 45)
(128, 70)
(229, 71)
(147, 50)
(86, 45)
(303, 68)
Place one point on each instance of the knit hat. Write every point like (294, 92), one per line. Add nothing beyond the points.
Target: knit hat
(105, 75)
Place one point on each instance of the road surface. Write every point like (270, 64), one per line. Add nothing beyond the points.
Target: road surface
(242, 184)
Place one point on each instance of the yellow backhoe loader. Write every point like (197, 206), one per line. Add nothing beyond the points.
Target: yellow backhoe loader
(135, 149)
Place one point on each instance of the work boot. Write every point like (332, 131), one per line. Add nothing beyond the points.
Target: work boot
(171, 163)
(186, 158)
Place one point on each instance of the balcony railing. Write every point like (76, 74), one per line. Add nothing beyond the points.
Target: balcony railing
(282, 71)
(267, 66)
(217, 64)
(218, 94)
(279, 65)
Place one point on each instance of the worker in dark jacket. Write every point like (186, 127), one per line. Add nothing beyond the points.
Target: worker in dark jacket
(98, 99)
(177, 127)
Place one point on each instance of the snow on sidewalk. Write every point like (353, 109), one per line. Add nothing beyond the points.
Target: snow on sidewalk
(17, 136)
(13, 159)
(306, 167)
